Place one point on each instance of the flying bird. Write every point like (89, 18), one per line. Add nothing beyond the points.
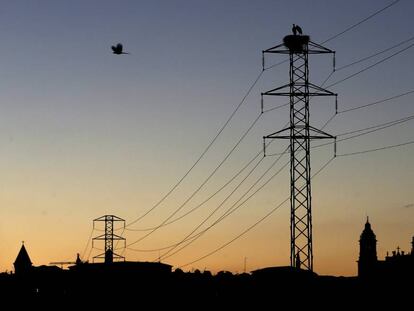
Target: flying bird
(118, 49)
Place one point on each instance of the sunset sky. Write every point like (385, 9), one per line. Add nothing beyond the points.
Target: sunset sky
(86, 133)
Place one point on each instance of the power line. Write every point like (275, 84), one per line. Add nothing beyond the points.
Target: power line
(387, 124)
(377, 102)
(231, 208)
(346, 30)
(222, 203)
(328, 121)
(202, 184)
(252, 226)
(362, 21)
(237, 237)
(277, 107)
(87, 244)
(379, 126)
(329, 76)
(216, 209)
(202, 154)
(151, 250)
(226, 125)
(371, 66)
(373, 55)
(366, 105)
(394, 122)
(405, 119)
(364, 59)
(202, 203)
(367, 130)
(353, 63)
(208, 198)
(376, 149)
(117, 242)
(277, 64)
(374, 128)
(288, 103)
(356, 62)
(348, 65)
(255, 157)
(89, 254)
(234, 112)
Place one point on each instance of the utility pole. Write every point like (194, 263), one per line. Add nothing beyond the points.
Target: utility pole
(299, 133)
(108, 237)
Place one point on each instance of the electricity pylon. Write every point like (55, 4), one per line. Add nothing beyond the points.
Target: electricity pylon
(108, 237)
(300, 133)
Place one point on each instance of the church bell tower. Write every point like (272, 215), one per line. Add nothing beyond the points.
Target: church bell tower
(367, 252)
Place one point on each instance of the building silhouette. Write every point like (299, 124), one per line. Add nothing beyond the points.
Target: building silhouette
(398, 265)
(367, 252)
(156, 282)
(22, 264)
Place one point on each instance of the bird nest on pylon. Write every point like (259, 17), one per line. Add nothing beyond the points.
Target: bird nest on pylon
(296, 43)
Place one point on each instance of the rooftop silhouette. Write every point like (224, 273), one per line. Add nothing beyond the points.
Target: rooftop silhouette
(257, 289)
(22, 264)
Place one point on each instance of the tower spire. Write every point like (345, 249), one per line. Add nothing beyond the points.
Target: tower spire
(22, 264)
(367, 252)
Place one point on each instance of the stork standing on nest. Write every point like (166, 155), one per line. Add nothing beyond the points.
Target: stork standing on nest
(296, 29)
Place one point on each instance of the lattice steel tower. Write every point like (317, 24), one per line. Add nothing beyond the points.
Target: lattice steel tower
(300, 133)
(108, 237)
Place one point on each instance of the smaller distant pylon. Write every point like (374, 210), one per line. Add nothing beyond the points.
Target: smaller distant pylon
(109, 237)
